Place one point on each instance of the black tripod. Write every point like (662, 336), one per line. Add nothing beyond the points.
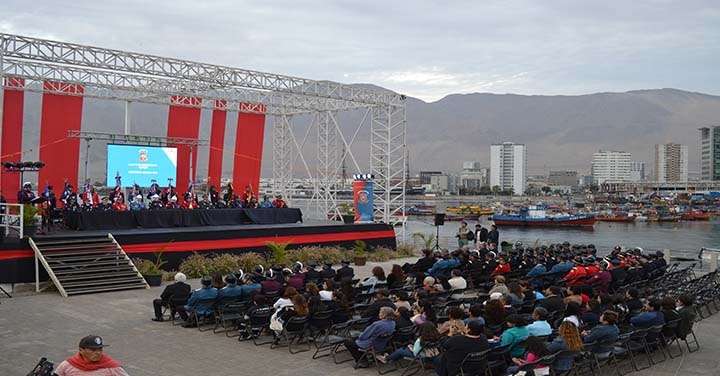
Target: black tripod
(439, 221)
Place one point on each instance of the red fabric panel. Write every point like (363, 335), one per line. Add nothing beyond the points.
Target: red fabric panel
(248, 148)
(183, 122)
(217, 142)
(12, 124)
(60, 114)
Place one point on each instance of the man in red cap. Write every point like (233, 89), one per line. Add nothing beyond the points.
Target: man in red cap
(90, 361)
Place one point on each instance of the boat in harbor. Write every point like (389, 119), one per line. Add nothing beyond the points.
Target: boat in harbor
(473, 210)
(616, 217)
(537, 215)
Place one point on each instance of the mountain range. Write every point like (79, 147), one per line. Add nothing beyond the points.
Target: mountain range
(560, 131)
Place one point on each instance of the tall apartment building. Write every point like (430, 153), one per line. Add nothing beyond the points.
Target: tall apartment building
(508, 167)
(671, 163)
(637, 171)
(710, 153)
(608, 165)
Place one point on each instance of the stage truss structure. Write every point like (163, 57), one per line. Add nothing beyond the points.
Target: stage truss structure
(103, 73)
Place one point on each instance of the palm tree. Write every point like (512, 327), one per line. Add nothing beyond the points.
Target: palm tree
(426, 239)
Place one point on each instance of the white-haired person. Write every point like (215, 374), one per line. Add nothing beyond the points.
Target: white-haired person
(138, 203)
(172, 292)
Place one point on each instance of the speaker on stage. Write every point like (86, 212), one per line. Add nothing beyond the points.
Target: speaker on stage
(439, 219)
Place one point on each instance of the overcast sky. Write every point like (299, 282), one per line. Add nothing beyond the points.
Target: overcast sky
(420, 48)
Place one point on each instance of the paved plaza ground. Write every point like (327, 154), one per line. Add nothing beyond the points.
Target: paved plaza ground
(36, 325)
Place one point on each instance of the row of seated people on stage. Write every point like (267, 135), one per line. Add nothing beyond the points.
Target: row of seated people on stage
(516, 315)
(155, 203)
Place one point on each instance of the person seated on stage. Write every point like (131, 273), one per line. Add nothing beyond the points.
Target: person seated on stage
(155, 203)
(206, 292)
(26, 195)
(248, 198)
(250, 287)
(93, 196)
(205, 203)
(327, 271)
(71, 205)
(213, 195)
(104, 205)
(231, 289)
(279, 202)
(266, 204)
(177, 290)
(189, 202)
(229, 193)
(236, 202)
(167, 195)
(172, 203)
(345, 272)
(87, 205)
(221, 204)
(138, 204)
(120, 204)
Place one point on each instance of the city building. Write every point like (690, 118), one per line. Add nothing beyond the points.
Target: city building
(671, 163)
(710, 153)
(443, 184)
(608, 165)
(473, 176)
(568, 178)
(637, 171)
(508, 167)
(425, 176)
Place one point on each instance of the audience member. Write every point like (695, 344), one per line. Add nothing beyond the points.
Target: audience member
(540, 326)
(517, 332)
(455, 322)
(176, 291)
(90, 360)
(604, 334)
(370, 336)
(567, 340)
(455, 348)
(427, 334)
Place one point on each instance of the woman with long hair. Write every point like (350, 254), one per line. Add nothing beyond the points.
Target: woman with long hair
(286, 299)
(516, 293)
(494, 312)
(568, 340)
(396, 278)
(536, 349)
(427, 334)
(573, 313)
(378, 276)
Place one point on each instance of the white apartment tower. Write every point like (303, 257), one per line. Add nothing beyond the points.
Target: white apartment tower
(508, 167)
(610, 165)
(671, 163)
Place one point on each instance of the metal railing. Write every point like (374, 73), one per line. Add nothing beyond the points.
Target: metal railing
(11, 217)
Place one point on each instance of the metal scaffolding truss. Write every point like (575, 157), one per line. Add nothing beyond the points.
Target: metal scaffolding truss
(72, 69)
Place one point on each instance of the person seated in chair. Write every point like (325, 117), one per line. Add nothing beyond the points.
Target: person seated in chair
(205, 292)
(236, 203)
(271, 285)
(652, 315)
(382, 299)
(120, 204)
(279, 202)
(231, 289)
(457, 346)
(155, 202)
(605, 333)
(345, 272)
(87, 205)
(327, 271)
(177, 290)
(172, 203)
(250, 287)
(266, 203)
(369, 337)
(104, 205)
(138, 204)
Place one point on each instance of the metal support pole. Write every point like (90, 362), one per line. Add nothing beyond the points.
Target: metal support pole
(87, 157)
(127, 118)
(2, 95)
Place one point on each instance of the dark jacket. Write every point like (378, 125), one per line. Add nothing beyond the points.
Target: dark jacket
(687, 318)
(605, 336)
(373, 309)
(493, 237)
(176, 290)
(482, 235)
(553, 303)
(345, 272)
(454, 351)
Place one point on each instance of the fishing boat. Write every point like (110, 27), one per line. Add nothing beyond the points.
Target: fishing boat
(615, 217)
(420, 210)
(537, 215)
(470, 210)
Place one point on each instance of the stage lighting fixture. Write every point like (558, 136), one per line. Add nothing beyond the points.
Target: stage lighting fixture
(39, 164)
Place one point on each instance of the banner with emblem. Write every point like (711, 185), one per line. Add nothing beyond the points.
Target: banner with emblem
(363, 201)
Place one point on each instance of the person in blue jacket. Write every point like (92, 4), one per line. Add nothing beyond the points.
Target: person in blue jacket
(369, 336)
(651, 317)
(563, 267)
(266, 203)
(442, 267)
(537, 270)
(231, 289)
(250, 287)
(205, 292)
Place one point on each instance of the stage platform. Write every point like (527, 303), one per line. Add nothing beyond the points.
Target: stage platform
(17, 258)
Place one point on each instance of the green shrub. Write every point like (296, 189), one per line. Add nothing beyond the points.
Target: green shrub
(248, 261)
(224, 263)
(195, 266)
(278, 251)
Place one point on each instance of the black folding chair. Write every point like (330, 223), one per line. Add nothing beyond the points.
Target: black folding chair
(256, 323)
(670, 336)
(653, 341)
(294, 331)
(229, 314)
(417, 363)
(205, 318)
(370, 355)
(330, 339)
(475, 364)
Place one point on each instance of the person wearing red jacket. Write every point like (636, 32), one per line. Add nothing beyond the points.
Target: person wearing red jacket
(502, 267)
(279, 202)
(90, 361)
(188, 202)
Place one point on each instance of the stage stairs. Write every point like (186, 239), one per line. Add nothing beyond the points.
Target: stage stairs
(87, 265)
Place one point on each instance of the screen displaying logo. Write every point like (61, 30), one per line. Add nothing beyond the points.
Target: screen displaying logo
(363, 197)
(143, 155)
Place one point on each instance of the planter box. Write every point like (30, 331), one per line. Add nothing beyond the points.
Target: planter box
(359, 261)
(348, 219)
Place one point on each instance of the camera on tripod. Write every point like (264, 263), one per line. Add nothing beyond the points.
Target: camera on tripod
(43, 368)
